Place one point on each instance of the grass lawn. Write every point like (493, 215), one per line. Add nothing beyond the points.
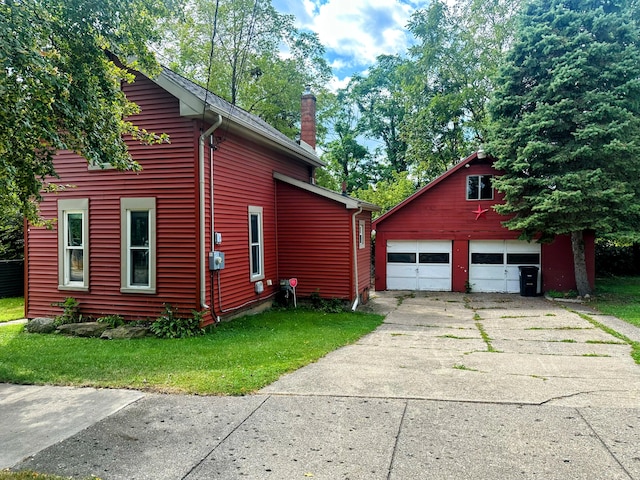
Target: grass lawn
(11, 308)
(620, 297)
(234, 358)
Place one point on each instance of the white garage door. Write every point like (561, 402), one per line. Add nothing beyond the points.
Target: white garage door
(493, 264)
(419, 265)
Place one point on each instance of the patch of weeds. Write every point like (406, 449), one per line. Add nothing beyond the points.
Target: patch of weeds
(402, 298)
(327, 305)
(483, 333)
(595, 355)
(567, 340)
(459, 366)
(515, 316)
(70, 311)
(635, 346)
(455, 337)
(557, 294)
(544, 379)
(400, 335)
(112, 320)
(604, 342)
(549, 314)
(169, 325)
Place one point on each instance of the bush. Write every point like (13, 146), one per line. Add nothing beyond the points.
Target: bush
(615, 259)
(70, 312)
(113, 320)
(169, 325)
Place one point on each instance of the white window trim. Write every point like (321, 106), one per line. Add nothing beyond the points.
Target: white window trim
(128, 205)
(76, 205)
(260, 275)
(479, 189)
(361, 235)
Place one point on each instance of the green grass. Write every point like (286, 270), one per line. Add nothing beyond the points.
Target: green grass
(235, 358)
(11, 309)
(620, 297)
(30, 475)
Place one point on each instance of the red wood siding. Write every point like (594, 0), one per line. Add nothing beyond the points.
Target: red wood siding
(364, 256)
(314, 243)
(441, 212)
(169, 174)
(243, 177)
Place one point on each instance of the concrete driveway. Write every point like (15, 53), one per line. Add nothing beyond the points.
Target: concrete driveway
(451, 386)
(494, 348)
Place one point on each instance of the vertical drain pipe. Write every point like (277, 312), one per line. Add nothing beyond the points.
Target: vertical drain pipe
(355, 255)
(203, 252)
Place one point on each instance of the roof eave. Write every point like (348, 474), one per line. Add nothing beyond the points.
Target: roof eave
(349, 202)
(191, 106)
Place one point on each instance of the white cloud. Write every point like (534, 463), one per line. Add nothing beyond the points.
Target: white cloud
(360, 29)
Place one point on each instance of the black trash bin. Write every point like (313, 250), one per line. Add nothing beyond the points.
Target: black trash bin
(528, 281)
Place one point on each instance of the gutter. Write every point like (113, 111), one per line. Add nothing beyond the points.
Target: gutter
(203, 253)
(355, 255)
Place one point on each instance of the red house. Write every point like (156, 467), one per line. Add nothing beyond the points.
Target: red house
(447, 237)
(214, 221)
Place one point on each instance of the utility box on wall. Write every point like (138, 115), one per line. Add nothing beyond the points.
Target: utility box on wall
(216, 260)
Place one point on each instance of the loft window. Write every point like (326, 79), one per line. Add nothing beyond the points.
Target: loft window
(361, 234)
(256, 244)
(138, 238)
(479, 187)
(73, 244)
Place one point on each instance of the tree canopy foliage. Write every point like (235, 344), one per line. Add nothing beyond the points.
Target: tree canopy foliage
(60, 88)
(258, 61)
(566, 122)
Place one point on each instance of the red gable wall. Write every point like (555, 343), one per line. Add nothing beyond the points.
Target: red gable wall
(440, 211)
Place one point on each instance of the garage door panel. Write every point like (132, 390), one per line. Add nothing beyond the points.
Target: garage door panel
(494, 265)
(419, 265)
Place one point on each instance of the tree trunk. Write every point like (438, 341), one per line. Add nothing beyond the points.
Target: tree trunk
(580, 263)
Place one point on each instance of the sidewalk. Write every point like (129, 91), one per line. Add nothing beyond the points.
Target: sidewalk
(449, 387)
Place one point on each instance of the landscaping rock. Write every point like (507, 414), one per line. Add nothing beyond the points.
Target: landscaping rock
(87, 329)
(40, 325)
(125, 332)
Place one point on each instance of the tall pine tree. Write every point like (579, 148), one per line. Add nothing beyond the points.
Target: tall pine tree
(566, 123)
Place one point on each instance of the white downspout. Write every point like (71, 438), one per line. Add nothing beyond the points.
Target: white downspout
(355, 254)
(203, 252)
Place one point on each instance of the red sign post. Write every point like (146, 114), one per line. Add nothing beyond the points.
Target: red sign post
(294, 283)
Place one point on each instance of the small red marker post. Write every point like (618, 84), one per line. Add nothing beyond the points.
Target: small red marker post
(293, 282)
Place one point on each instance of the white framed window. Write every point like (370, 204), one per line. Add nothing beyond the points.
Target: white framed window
(256, 244)
(73, 244)
(138, 245)
(361, 236)
(479, 187)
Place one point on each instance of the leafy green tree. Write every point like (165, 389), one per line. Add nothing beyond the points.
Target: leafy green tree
(346, 158)
(60, 88)
(388, 193)
(449, 78)
(246, 65)
(381, 101)
(566, 125)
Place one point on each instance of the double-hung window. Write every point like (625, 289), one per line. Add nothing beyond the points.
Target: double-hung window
(361, 234)
(73, 244)
(138, 249)
(479, 187)
(256, 244)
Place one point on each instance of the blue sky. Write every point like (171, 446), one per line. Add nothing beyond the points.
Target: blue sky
(354, 32)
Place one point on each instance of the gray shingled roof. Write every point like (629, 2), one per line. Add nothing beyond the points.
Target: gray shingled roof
(237, 115)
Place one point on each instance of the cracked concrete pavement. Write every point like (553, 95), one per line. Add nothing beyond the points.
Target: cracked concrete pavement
(451, 386)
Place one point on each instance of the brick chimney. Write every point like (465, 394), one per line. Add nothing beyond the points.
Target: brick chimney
(308, 118)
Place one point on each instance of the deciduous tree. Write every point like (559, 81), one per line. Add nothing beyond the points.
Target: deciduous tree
(258, 61)
(61, 89)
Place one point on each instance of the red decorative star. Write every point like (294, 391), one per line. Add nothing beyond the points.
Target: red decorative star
(480, 211)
